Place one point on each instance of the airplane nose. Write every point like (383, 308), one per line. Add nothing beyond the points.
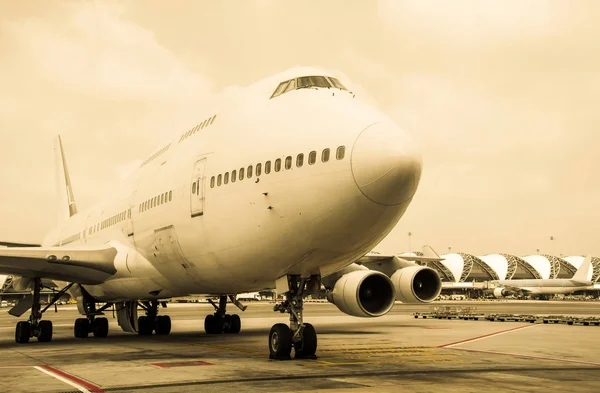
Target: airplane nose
(386, 164)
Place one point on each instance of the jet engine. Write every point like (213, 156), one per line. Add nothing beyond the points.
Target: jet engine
(416, 284)
(363, 293)
(500, 292)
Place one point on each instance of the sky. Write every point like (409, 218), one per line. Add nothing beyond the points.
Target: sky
(502, 97)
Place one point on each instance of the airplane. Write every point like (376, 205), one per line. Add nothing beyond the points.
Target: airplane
(283, 185)
(580, 281)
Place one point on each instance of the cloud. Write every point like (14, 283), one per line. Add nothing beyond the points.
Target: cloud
(98, 53)
(469, 21)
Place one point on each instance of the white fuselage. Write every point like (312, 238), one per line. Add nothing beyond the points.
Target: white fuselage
(547, 286)
(241, 236)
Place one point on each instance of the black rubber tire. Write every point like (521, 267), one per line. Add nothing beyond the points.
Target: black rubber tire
(213, 324)
(22, 332)
(163, 325)
(145, 326)
(235, 324)
(308, 347)
(280, 342)
(81, 329)
(100, 327)
(45, 328)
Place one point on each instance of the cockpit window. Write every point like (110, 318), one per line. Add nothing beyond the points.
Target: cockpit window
(313, 81)
(336, 83)
(307, 82)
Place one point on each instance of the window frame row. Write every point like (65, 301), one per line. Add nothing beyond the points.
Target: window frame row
(155, 201)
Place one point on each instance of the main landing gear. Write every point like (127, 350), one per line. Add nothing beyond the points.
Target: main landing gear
(220, 321)
(299, 335)
(92, 323)
(152, 322)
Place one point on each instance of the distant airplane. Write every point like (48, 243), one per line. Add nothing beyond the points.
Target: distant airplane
(579, 282)
(289, 181)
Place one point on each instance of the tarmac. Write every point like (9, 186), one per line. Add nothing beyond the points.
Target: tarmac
(384, 354)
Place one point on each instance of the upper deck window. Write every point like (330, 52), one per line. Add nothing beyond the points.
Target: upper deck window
(304, 82)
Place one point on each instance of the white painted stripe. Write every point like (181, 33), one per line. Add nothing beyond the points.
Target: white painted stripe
(65, 380)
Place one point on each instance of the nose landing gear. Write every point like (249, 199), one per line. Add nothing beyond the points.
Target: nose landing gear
(299, 335)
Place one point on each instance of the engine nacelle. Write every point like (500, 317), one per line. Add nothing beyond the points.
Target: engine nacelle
(363, 293)
(500, 292)
(417, 284)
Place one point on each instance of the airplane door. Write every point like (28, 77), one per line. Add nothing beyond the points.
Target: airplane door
(168, 257)
(197, 188)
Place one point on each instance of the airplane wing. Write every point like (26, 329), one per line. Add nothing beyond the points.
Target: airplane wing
(80, 263)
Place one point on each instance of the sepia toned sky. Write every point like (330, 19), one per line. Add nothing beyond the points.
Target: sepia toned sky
(502, 96)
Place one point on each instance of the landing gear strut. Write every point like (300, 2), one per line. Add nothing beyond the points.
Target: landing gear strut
(302, 336)
(35, 326)
(220, 321)
(161, 324)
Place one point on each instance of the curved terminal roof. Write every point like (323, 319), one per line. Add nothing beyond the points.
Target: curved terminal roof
(468, 267)
(504, 266)
(548, 268)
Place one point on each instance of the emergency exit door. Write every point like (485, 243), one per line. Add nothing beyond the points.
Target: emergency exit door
(197, 188)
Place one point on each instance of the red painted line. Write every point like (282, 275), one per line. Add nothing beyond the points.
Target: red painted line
(182, 364)
(74, 379)
(528, 356)
(484, 336)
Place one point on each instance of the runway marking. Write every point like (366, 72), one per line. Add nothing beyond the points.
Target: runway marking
(490, 335)
(529, 356)
(69, 379)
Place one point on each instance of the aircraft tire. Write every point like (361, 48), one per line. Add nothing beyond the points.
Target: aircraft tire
(100, 327)
(280, 342)
(308, 347)
(22, 332)
(81, 329)
(45, 331)
(163, 325)
(145, 326)
(213, 324)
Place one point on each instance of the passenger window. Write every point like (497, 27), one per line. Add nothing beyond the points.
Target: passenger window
(212, 182)
(325, 155)
(219, 180)
(171, 195)
(267, 167)
(258, 168)
(213, 119)
(241, 174)
(341, 151)
(193, 187)
(288, 162)
(249, 171)
(300, 160)
(226, 178)
(162, 199)
(233, 175)
(278, 165)
(312, 157)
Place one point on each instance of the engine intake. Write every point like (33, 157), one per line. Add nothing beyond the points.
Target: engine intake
(417, 284)
(363, 293)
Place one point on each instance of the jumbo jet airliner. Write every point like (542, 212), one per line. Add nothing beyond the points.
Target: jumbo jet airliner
(579, 282)
(293, 179)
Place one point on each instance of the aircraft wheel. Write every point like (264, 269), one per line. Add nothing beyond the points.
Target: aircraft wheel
(22, 332)
(45, 331)
(163, 325)
(280, 342)
(145, 326)
(235, 324)
(308, 347)
(81, 328)
(100, 327)
(213, 324)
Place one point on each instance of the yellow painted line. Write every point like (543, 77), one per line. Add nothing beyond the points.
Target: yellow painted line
(328, 363)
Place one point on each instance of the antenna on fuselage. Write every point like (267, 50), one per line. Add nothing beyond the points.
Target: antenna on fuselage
(67, 180)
